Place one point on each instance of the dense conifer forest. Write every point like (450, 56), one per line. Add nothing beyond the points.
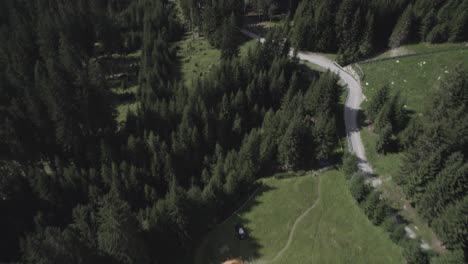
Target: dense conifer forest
(77, 187)
(357, 29)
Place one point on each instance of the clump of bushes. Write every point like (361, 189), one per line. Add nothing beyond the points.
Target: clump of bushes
(380, 212)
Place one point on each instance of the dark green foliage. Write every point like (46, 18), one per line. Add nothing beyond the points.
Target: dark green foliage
(356, 29)
(371, 202)
(414, 254)
(350, 164)
(384, 138)
(452, 226)
(449, 184)
(217, 19)
(390, 223)
(435, 167)
(398, 233)
(51, 245)
(375, 207)
(377, 102)
(409, 135)
(118, 233)
(428, 22)
(230, 38)
(389, 118)
(358, 187)
(79, 190)
(450, 257)
(291, 146)
(403, 29)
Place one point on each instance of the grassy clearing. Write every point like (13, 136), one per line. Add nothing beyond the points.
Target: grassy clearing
(335, 231)
(416, 77)
(268, 219)
(198, 57)
(124, 107)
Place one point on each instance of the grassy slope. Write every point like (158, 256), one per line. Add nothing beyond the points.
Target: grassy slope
(268, 219)
(198, 57)
(336, 231)
(417, 82)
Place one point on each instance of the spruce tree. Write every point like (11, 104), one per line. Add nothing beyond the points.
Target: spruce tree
(230, 38)
(451, 225)
(377, 102)
(402, 33)
(118, 233)
(290, 149)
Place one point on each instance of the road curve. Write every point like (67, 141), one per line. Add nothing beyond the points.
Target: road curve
(352, 105)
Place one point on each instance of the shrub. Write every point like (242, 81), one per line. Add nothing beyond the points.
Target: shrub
(450, 257)
(398, 234)
(390, 223)
(371, 203)
(380, 212)
(358, 188)
(414, 254)
(350, 164)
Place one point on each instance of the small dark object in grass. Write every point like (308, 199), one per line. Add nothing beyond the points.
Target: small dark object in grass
(240, 231)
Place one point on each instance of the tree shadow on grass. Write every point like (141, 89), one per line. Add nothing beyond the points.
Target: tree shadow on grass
(223, 242)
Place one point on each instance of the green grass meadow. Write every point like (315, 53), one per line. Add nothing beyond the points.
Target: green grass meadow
(198, 57)
(268, 218)
(335, 231)
(338, 231)
(416, 77)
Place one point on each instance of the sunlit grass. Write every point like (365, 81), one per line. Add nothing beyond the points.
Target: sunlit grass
(335, 231)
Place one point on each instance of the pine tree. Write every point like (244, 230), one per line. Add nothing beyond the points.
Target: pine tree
(414, 254)
(358, 188)
(371, 203)
(451, 225)
(459, 29)
(403, 30)
(450, 257)
(384, 140)
(51, 245)
(427, 24)
(290, 149)
(450, 184)
(377, 102)
(367, 43)
(350, 164)
(230, 38)
(118, 232)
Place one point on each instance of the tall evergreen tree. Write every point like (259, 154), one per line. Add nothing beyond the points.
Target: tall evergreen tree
(118, 234)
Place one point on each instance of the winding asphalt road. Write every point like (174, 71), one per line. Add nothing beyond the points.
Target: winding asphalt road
(352, 105)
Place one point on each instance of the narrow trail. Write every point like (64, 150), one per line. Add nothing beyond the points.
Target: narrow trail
(198, 254)
(293, 229)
